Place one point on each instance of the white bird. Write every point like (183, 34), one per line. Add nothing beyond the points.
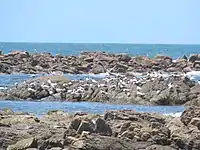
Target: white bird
(3, 88)
(49, 81)
(45, 86)
(158, 92)
(103, 85)
(70, 83)
(170, 85)
(94, 81)
(69, 91)
(59, 90)
(103, 92)
(51, 92)
(32, 90)
(126, 90)
(65, 84)
(140, 93)
(53, 85)
(138, 88)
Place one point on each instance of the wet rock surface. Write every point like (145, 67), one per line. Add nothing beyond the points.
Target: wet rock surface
(151, 89)
(124, 129)
(91, 62)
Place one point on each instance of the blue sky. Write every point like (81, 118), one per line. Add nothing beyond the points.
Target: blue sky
(110, 21)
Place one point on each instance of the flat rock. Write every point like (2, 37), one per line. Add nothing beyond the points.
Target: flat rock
(23, 144)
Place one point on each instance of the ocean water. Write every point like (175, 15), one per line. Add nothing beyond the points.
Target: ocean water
(150, 50)
(40, 108)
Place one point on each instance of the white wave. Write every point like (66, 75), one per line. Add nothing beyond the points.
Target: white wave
(178, 114)
(3, 88)
(100, 75)
(174, 60)
(192, 75)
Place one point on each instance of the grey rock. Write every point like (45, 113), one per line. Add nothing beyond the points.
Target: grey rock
(85, 126)
(23, 144)
(102, 127)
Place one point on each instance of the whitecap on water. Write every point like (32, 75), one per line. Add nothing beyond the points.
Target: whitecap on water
(178, 114)
(174, 60)
(40, 108)
(3, 88)
(100, 75)
(193, 75)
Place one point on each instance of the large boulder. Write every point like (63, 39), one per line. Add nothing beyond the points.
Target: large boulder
(124, 57)
(19, 119)
(85, 125)
(189, 114)
(23, 144)
(163, 59)
(102, 127)
(98, 68)
(194, 57)
(104, 142)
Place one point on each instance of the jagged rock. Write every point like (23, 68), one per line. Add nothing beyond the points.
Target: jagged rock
(75, 123)
(189, 114)
(194, 57)
(118, 89)
(159, 147)
(56, 148)
(7, 111)
(85, 125)
(104, 142)
(102, 127)
(124, 57)
(97, 68)
(25, 94)
(130, 130)
(19, 119)
(23, 144)
(42, 94)
(90, 62)
(196, 64)
(89, 59)
(196, 122)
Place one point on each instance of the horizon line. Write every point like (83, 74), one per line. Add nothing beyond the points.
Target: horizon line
(129, 43)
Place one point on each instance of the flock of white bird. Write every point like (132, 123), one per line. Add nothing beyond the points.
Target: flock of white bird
(123, 82)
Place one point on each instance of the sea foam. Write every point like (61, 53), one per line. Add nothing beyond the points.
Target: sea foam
(193, 75)
(178, 114)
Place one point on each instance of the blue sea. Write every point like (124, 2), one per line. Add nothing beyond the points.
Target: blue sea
(150, 50)
(39, 108)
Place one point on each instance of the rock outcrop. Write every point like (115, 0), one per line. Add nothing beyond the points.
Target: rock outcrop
(151, 89)
(124, 129)
(91, 62)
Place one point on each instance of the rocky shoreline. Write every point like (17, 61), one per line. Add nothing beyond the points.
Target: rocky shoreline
(150, 89)
(93, 62)
(131, 80)
(115, 130)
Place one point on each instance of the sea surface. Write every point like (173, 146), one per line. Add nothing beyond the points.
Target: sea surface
(39, 108)
(150, 50)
